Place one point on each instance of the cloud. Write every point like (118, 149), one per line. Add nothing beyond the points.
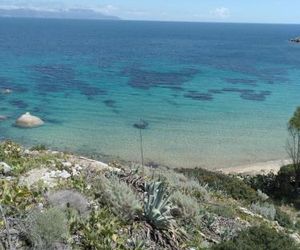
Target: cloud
(106, 9)
(28, 7)
(221, 12)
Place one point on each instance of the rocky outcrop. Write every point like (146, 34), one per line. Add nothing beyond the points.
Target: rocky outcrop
(33, 176)
(29, 121)
(49, 177)
(141, 124)
(3, 118)
(6, 91)
(295, 40)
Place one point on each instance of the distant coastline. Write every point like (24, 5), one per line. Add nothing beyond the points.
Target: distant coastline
(79, 14)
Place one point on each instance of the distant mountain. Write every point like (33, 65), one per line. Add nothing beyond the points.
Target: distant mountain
(59, 14)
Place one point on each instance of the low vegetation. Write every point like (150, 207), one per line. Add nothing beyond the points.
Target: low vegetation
(265, 209)
(119, 196)
(258, 237)
(45, 229)
(230, 185)
(52, 200)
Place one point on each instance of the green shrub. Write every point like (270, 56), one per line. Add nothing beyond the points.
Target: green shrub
(283, 219)
(122, 200)
(40, 147)
(297, 225)
(18, 199)
(68, 199)
(99, 231)
(258, 238)
(178, 181)
(189, 206)
(265, 183)
(222, 210)
(285, 183)
(13, 154)
(232, 186)
(280, 187)
(9, 149)
(262, 195)
(47, 228)
(265, 209)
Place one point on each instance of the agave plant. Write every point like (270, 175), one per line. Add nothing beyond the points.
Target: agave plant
(157, 205)
(160, 224)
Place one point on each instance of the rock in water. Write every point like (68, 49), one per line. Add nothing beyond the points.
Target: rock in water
(141, 124)
(6, 91)
(29, 121)
(296, 40)
(3, 118)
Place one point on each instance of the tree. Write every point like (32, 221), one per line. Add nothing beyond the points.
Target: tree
(293, 145)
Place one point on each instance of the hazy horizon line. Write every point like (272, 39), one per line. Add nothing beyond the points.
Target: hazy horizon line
(142, 20)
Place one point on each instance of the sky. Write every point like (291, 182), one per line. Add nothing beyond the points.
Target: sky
(250, 11)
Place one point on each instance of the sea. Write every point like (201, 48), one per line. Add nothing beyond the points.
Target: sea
(214, 95)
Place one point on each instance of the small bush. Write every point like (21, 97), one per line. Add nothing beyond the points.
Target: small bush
(69, 199)
(188, 205)
(173, 179)
(119, 196)
(232, 186)
(280, 187)
(47, 228)
(297, 225)
(285, 183)
(10, 152)
(99, 231)
(178, 181)
(260, 238)
(18, 198)
(265, 209)
(283, 219)
(262, 195)
(222, 210)
(40, 147)
(264, 183)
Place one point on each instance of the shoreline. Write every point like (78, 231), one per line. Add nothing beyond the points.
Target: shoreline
(264, 167)
(256, 168)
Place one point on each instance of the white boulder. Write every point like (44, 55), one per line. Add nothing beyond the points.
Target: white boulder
(29, 121)
(5, 167)
(64, 174)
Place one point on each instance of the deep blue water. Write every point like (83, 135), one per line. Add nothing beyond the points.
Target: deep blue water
(214, 95)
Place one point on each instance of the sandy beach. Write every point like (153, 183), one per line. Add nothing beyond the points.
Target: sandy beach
(257, 168)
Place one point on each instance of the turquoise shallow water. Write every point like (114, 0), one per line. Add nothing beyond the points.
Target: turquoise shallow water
(214, 95)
